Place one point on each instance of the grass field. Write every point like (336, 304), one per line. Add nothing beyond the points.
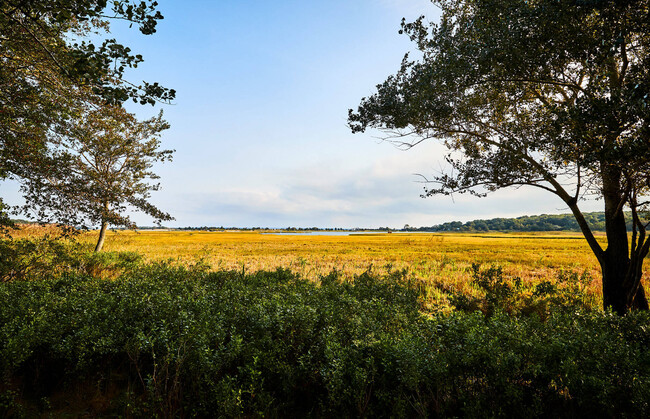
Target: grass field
(434, 258)
(251, 343)
(446, 257)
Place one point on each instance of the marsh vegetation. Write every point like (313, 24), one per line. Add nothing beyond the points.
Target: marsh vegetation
(345, 328)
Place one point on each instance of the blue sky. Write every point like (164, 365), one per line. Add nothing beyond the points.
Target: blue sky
(259, 123)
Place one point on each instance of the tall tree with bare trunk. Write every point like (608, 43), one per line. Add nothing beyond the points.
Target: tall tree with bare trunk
(49, 51)
(101, 167)
(552, 94)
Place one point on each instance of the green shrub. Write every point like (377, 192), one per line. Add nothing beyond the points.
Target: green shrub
(48, 258)
(171, 341)
(497, 293)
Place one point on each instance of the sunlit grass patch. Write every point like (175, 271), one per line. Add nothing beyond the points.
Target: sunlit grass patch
(431, 258)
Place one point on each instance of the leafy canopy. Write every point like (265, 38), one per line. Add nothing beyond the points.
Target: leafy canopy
(103, 162)
(553, 94)
(526, 93)
(55, 58)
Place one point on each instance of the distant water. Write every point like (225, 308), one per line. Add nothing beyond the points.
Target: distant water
(317, 233)
(342, 233)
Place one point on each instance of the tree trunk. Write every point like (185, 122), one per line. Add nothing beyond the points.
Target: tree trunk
(616, 288)
(102, 236)
(619, 280)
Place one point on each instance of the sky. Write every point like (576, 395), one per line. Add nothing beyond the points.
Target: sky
(259, 123)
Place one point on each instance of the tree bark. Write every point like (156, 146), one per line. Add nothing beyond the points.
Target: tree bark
(102, 236)
(618, 278)
(616, 287)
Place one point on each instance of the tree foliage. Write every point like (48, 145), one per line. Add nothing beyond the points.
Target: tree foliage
(44, 39)
(103, 162)
(50, 66)
(549, 94)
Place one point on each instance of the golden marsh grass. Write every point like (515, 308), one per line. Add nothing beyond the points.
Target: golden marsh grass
(434, 258)
(444, 258)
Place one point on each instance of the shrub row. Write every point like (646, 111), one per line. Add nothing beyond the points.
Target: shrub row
(45, 258)
(170, 341)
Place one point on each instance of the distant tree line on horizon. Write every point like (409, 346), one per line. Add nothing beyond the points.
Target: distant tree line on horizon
(544, 222)
(222, 228)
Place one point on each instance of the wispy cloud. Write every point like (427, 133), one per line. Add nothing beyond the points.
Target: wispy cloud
(384, 193)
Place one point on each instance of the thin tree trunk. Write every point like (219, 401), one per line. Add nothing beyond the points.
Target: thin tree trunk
(102, 236)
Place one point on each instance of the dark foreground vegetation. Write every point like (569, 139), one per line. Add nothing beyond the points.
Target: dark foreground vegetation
(119, 337)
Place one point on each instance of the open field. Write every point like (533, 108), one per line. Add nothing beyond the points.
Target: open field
(248, 338)
(446, 257)
(435, 258)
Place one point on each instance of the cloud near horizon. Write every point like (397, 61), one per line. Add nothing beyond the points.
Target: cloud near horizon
(385, 193)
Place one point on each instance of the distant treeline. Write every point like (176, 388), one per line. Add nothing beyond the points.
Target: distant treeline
(544, 222)
(305, 229)
(222, 228)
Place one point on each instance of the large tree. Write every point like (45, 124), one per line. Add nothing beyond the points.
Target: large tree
(553, 94)
(101, 167)
(49, 64)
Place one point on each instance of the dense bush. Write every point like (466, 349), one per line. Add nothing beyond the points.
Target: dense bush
(499, 293)
(169, 341)
(47, 257)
